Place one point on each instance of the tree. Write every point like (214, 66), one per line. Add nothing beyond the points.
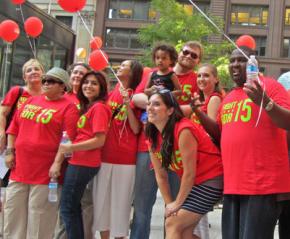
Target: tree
(176, 26)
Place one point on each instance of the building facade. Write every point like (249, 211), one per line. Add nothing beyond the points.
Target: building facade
(74, 21)
(268, 21)
(54, 47)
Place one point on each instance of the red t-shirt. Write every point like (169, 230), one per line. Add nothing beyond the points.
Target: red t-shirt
(189, 86)
(121, 143)
(12, 95)
(203, 108)
(95, 120)
(38, 126)
(73, 98)
(208, 163)
(255, 159)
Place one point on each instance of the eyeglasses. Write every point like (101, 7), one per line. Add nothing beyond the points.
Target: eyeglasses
(193, 55)
(166, 91)
(51, 81)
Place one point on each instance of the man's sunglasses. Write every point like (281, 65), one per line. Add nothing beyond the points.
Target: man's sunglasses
(193, 55)
(51, 81)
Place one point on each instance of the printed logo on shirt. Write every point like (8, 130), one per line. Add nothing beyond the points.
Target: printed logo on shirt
(186, 93)
(21, 101)
(82, 121)
(119, 111)
(194, 118)
(237, 111)
(34, 112)
(176, 164)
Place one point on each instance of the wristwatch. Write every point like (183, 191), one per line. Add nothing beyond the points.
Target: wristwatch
(270, 105)
(10, 151)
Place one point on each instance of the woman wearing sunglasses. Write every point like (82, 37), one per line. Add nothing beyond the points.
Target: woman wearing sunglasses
(177, 144)
(33, 140)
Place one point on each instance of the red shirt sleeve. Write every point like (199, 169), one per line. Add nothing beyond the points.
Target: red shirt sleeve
(71, 117)
(11, 97)
(101, 118)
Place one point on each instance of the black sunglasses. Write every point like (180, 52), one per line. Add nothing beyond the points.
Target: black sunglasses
(50, 81)
(193, 55)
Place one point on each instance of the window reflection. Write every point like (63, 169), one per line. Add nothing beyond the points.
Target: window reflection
(122, 38)
(48, 52)
(287, 16)
(249, 15)
(134, 9)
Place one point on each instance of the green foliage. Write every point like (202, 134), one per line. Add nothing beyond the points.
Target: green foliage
(175, 26)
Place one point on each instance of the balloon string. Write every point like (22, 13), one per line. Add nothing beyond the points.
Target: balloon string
(5, 68)
(221, 31)
(30, 44)
(235, 45)
(92, 37)
(262, 102)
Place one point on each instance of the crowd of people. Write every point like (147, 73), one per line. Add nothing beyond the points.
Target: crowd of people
(171, 127)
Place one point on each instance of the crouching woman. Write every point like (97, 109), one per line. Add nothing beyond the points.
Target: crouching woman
(176, 143)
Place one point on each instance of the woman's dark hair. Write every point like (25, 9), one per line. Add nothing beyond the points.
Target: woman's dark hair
(214, 71)
(72, 66)
(167, 146)
(136, 74)
(84, 102)
(166, 48)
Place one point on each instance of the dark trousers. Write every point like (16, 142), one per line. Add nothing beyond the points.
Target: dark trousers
(250, 216)
(75, 182)
(284, 221)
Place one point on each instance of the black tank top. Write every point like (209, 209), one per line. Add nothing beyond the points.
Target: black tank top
(162, 80)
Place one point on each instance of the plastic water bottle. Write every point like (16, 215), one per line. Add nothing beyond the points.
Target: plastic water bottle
(52, 190)
(65, 140)
(144, 117)
(252, 69)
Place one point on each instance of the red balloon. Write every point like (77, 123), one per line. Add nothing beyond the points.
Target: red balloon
(72, 5)
(96, 43)
(98, 60)
(18, 1)
(33, 26)
(9, 30)
(246, 40)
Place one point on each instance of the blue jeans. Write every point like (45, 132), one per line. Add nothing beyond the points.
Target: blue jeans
(250, 216)
(75, 182)
(145, 195)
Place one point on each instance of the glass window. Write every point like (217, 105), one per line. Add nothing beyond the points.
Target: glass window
(286, 52)
(67, 20)
(189, 8)
(122, 38)
(287, 16)
(134, 9)
(249, 15)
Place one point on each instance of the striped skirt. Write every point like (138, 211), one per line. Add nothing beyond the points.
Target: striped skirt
(202, 198)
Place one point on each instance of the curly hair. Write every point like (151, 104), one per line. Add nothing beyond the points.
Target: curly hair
(166, 48)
